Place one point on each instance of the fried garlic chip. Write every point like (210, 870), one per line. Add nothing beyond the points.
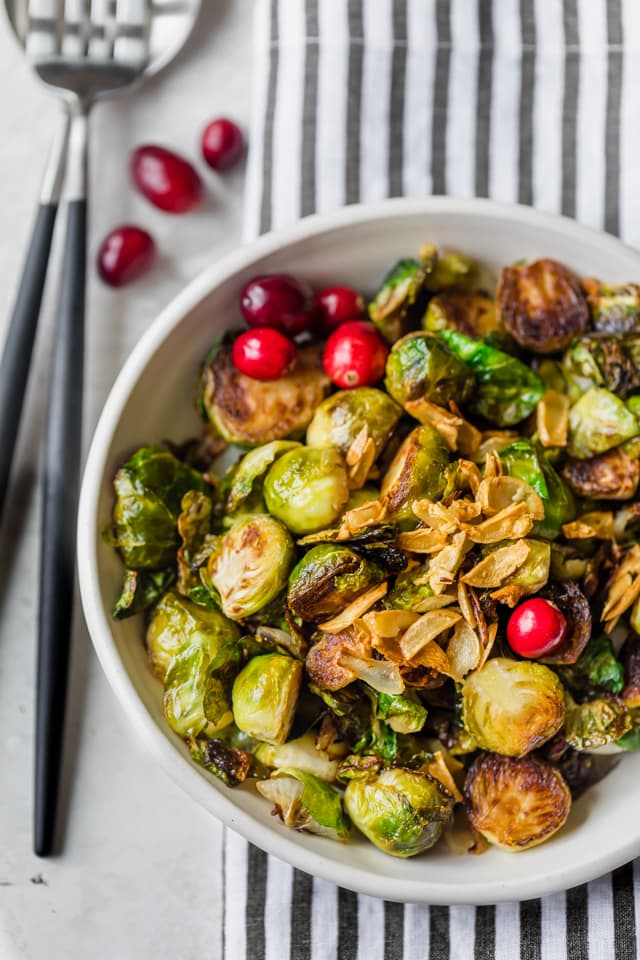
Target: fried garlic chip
(355, 609)
(427, 628)
(494, 569)
(444, 565)
(598, 524)
(552, 419)
(438, 769)
(423, 540)
(457, 433)
(464, 651)
(359, 459)
(435, 515)
(353, 521)
(496, 493)
(514, 521)
(624, 588)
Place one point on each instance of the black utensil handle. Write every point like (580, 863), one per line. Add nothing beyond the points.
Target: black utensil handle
(18, 347)
(60, 494)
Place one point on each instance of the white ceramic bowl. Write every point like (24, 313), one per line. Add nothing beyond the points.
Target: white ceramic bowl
(152, 400)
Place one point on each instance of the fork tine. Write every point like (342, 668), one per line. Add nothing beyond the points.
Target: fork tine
(103, 30)
(131, 45)
(75, 28)
(42, 35)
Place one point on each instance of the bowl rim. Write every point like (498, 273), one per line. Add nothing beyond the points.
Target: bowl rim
(163, 751)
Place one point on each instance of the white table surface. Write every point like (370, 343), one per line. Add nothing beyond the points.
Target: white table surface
(137, 878)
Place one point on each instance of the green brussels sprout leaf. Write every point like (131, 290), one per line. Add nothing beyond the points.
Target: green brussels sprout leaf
(595, 723)
(252, 469)
(599, 421)
(304, 802)
(140, 590)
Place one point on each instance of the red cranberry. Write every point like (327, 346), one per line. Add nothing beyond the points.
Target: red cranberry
(125, 254)
(222, 143)
(166, 179)
(337, 304)
(277, 300)
(536, 628)
(264, 354)
(355, 354)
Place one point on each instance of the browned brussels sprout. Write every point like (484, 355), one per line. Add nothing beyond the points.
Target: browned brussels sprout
(512, 706)
(421, 366)
(417, 470)
(327, 579)
(340, 418)
(541, 305)
(305, 802)
(252, 412)
(613, 309)
(577, 612)
(599, 421)
(390, 310)
(611, 476)
(601, 362)
(250, 565)
(469, 312)
(595, 723)
(400, 811)
(516, 803)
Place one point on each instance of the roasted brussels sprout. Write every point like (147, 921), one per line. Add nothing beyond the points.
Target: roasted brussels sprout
(140, 590)
(507, 390)
(594, 723)
(421, 366)
(149, 489)
(468, 312)
(577, 612)
(417, 470)
(403, 813)
(523, 460)
(613, 309)
(403, 712)
(229, 764)
(600, 362)
(516, 803)
(307, 489)
(327, 579)
(250, 565)
(252, 468)
(511, 707)
(253, 412)
(302, 753)
(340, 418)
(196, 699)
(305, 802)
(598, 667)
(265, 694)
(337, 659)
(390, 309)
(599, 421)
(447, 269)
(175, 621)
(409, 592)
(541, 305)
(613, 475)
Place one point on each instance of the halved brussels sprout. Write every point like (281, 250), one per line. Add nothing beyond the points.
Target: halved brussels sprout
(252, 412)
(305, 802)
(416, 471)
(577, 612)
(507, 390)
(340, 418)
(511, 706)
(403, 712)
(421, 366)
(265, 695)
(541, 305)
(250, 565)
(600, 362)
(307, 489)
(599, 421)
(390, 309)
(175, 621)
(327, 579)
(613, 475)
(516, 803)
(149, 489)
(403, 813)
(196, 699)
(469, 312)
(595, 723)
(302, 753)
(532, 575)
(523, 460)
(252, 468)
(613, 309)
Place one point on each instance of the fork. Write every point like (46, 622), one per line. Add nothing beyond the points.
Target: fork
(74, 47)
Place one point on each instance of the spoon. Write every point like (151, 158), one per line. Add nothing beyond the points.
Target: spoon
(82, 50)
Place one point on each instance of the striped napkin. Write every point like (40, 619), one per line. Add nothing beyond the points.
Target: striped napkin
(530, 101)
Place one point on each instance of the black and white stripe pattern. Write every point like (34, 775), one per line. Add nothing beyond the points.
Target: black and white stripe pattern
(535, 101)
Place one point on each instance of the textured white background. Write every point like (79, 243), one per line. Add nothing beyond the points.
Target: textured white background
(139, 876)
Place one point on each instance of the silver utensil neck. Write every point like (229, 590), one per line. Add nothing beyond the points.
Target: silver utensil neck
(76, 177)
